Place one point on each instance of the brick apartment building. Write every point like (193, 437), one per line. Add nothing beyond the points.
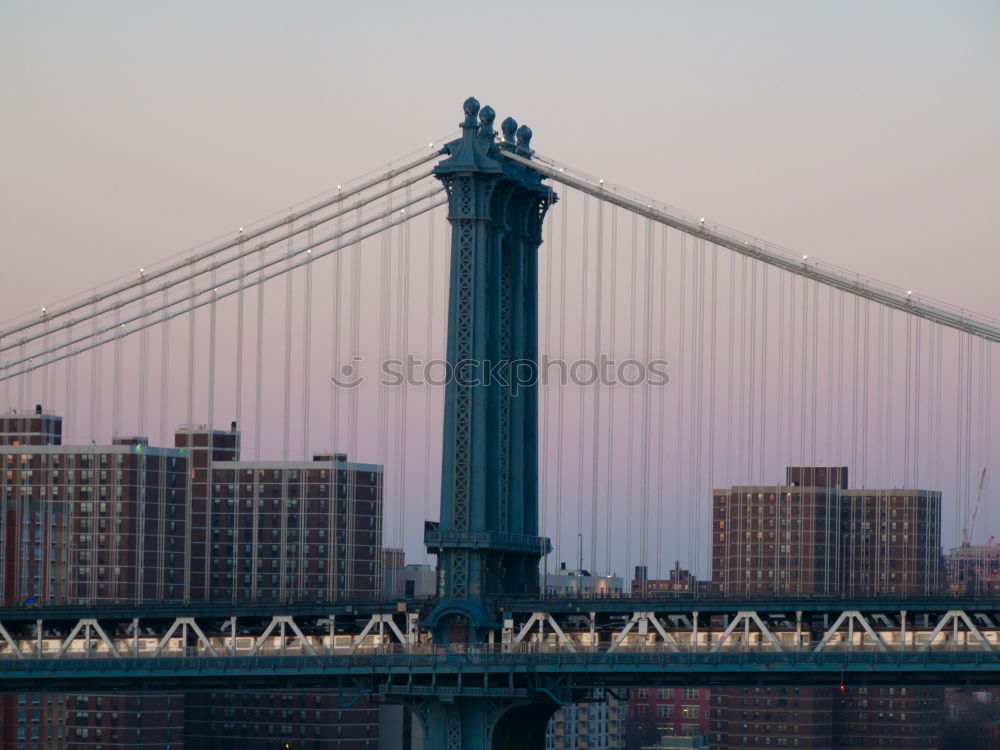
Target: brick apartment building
(654, 713)
(128, 522)
(812, 536)
(815, 536)
(679, 580)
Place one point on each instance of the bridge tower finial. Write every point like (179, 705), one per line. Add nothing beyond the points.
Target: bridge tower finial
(509, 128)
(471, 107)
(486, 117)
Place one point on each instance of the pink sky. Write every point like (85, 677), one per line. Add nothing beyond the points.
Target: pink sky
(862, 134)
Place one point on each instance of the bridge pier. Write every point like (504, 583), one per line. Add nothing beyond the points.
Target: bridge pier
(483, 723)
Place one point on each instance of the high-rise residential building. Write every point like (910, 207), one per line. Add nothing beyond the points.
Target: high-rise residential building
(655, 713)
(596, 725)
(277, 531)
(281, 530)
(89, 523)
(813, 535)
(128, 522)
(30, 428)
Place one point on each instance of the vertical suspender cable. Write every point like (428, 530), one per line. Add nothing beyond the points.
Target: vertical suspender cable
(803, 371)
(259, 375)
(645, 385)
(988, 411)
(286, 416)
(865, 426)
(779, 427)
(792, 371)
(841, 326)
(698, 383)
(212, 320)
(633, 262)
(543, 452)
(23, 382)
(750, 437)
(966, 440)
(937, 388)
(45, 370)
(70, 375)
(164, 376)
(143, 366)
(286, 410)
(828, 383)
(192, 342)
(917, 385)
(961, 506)
(681, 354)
(584, 315)
(611, 442)
(741, 432)
(335, 371)
(814, 343)
(7, 405)
(116, 383)
(384, 341)
(562, 388)
(598, 325)
(855, 372)
(730, 405)
(403, 317)
(307, 348)
(890, 390)
(238, 413)
(661, 419)
(240, 302)
(95, 389)
(347, 561)
(764, 379)
(713, 390)
(188, 516)
(907, 396)
(428, 389)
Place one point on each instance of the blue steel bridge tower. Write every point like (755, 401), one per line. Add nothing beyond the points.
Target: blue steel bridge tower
(487, 541)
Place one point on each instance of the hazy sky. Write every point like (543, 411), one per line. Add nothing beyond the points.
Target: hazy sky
(861, 133)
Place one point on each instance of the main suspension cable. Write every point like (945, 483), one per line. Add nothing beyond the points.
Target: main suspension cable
(191, 261)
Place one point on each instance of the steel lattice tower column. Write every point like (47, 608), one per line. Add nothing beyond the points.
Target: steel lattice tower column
(487, 541)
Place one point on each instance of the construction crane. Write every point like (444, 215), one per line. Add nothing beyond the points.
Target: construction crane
(971, 529)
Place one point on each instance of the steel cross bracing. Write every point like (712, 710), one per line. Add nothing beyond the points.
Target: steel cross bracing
(751, 247)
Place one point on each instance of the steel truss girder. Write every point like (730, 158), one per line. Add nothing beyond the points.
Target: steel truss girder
(746, 617)
(954, 616)
(851, 616)
(546, 630)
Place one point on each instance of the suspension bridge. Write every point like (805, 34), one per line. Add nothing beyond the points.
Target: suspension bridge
(596, 388)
